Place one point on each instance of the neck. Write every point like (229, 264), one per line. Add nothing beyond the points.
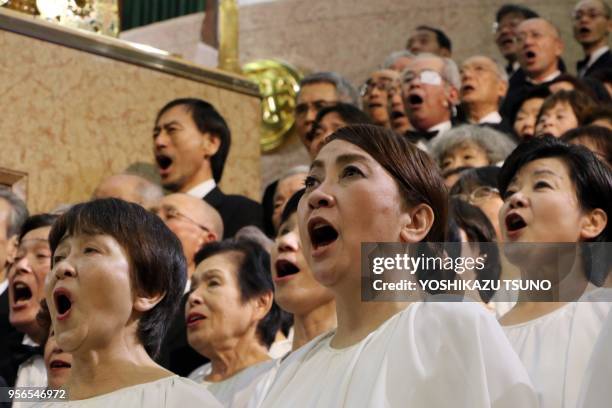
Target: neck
(2, 275)
(203, 174)
(121, 364)
(589, 49)
(318, 321)
(229, 361)
(357, 319)
(540, 77)
(477, 111)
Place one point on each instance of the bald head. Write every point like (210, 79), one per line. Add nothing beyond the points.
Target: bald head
(129, 187)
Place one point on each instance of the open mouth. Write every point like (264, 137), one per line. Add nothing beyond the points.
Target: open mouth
(57, 364)
(397, 115)
(530, 56)
(467, 88)
(584, 30)
(285, 268)
(163, 161)
(321, 233)
(22, 292)
(192, 318)
(63, 304)
(374, 105)
(507, 41)
(515, 222)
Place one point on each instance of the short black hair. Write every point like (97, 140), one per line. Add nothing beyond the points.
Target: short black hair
(598, 135)
(471, 179)
(156, 255)
(291, 205)
(254, 278)
(591, 178)
(207, 119)
(515, 9)
(441, 37)
(37, 221)
(350, 114)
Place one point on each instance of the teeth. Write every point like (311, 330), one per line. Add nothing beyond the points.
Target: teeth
(20, 285)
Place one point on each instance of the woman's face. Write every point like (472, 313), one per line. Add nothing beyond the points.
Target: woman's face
(541, 205)
(26, 279)
(296, 290)
(215, 314)
(284, 190)
(57, 362)
(328, 125)
(464, 155)
(350, 198)
(489, 201)
(524, 124)
(557, 120)
(89, 292)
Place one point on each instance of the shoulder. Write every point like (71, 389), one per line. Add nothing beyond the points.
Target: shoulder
(180, 391)
(199, 373)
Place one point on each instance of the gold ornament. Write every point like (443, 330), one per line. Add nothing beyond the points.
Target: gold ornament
(278, 84)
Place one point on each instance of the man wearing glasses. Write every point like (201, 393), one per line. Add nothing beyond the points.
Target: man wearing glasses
(508, 17)
(592, 25)
(375, 93)
(430, 91)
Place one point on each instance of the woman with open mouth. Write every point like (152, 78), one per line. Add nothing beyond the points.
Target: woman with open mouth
(117, 277)
(556, 196)
(368, 184)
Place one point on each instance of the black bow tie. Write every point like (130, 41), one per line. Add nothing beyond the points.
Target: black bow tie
(415, 135)
(22, 352)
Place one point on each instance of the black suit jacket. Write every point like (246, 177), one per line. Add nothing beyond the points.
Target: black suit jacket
(9, 339)
(603, 62)
(236, 211)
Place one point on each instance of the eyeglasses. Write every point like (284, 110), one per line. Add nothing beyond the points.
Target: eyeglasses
(427, 76)
(512, 24)
(170, 213)
(303, 108)
(478, 195)
(592, 14)
(382, 86)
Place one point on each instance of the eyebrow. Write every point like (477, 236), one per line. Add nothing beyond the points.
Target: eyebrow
(165, 125)
(340, 160)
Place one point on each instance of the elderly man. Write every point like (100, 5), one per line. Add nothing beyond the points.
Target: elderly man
(483, 85)
(398, 60)
(317, 91)
(431, 40)
(13, 213)
(539, 51)
(507, 18)
(129, 187)
(195, 223)
(592, 26)
(191, 141)
(430, 90)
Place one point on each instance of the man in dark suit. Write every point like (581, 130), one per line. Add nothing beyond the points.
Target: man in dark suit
(592, 25)
(13, 213)
(191, 144)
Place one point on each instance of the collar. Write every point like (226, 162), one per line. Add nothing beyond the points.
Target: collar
(595, 55)
(3, 286)
(202, 189)
(441, 127)
(27, 340)
(546, 79)
(493, 117)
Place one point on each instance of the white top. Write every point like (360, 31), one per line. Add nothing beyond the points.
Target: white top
(169, 392)
(493, 117)
(555, 349)
(441, 127)
(430, 355)
(3, 286)
(596, 390)
(236, 391)
(202, 189)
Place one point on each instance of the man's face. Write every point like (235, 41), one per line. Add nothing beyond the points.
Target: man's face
(480, 81)
(505, 35)
(539, 48)
(7, 246)
(375, 93)
(427, 96)
(591, 23)
(425, 41)
(312, 98)
(180, 149)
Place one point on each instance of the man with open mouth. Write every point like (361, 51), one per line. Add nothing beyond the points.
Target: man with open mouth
(592, 26)
(191, 142)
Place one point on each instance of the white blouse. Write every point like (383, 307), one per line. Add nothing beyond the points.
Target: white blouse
(169, 392)
(430, 355)
(236, 391)
(555, 349)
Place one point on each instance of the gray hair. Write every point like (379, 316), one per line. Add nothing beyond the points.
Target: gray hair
(19, 212)
(394, 56)
(497, 145)
(450, 72)
(345, 91)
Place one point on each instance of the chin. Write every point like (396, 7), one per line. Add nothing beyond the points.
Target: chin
(72, 339)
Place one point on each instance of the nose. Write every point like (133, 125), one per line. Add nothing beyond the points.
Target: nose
(161, 140)
(288, 242)
(22, 265)
(194, 299)
(517, 200)
(64, 269)
(319, 198)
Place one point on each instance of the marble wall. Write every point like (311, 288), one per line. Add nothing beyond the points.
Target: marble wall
(71, 118)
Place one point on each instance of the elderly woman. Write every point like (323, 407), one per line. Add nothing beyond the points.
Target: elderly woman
(368, 184)
(118, 275)
(296, 290)
(470, 146)
(232, 319)
(554, 192)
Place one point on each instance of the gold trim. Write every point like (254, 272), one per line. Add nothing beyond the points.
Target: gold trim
(122, 51)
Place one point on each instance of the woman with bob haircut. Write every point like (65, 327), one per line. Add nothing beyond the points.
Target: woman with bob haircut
(368, 184)
(563, 111)
(232, 318)
(117, 277)
(556, 193)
